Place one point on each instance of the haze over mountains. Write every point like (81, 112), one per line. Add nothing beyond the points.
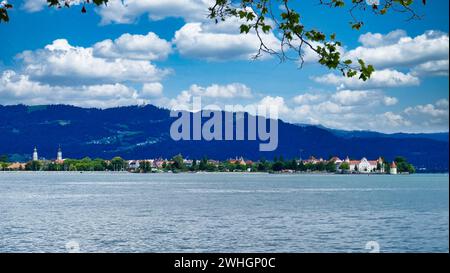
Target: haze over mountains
(139, 132)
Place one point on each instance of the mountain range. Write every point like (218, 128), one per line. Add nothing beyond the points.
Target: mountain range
(138, 132)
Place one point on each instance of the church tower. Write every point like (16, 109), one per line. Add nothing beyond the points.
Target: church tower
(59, 154)
(35, 154)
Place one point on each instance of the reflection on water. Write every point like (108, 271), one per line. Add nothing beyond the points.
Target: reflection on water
(104, 212)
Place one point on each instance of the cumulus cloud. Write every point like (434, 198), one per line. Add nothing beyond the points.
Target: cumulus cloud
(153, 89)
(380, 79)
(138, 47)
(38, 5)
(432, 116)
(307, 98)
(219, 42)
(390, 120)
(62, 63)
(213, 94)
(396, 49)
(432, 68)
(437, 110)
(350, 110)
(374, 40)
(278, 102)
(34, 5)
(128, 11)
(364, 97)
(423, 55)
(345, 109)
(63, 73)
(229, 91)
(18, 88)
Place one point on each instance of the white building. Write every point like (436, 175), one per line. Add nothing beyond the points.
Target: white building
(337, 161)
(133, 164)
(365, 166)
(35, 154)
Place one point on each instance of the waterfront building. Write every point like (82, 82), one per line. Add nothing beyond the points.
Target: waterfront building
(17, 166)
(365, 166)
(311, 160)
(337, 161)
(188, 162)
(237, 160)
(393, 169)
(133, 164)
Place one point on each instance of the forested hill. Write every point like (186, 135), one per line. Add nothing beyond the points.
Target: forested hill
(137, 132)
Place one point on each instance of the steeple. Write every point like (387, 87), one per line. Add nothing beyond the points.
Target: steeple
(59, 154)
(35, 154)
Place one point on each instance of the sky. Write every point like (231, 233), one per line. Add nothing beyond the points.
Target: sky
(164, 52)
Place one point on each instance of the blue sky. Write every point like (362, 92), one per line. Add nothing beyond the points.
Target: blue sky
(165, 52)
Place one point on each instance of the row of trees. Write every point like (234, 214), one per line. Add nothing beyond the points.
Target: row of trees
(85, 164)
(403, 166)
(4, 162)
(177, 164)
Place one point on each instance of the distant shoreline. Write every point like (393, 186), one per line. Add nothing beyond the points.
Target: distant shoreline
(234, 173)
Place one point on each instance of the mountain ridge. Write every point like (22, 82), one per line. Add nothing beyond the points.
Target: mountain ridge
(138, 132)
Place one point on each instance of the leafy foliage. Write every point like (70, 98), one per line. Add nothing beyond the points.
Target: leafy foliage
(403, 166)
(261, 17)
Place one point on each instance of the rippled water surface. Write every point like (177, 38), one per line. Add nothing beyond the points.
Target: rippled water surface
(106, 212)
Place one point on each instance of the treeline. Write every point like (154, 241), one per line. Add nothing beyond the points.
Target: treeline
(177, 164)
(85, 164)
(403, 166)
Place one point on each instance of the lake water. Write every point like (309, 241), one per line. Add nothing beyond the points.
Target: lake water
(121, 212)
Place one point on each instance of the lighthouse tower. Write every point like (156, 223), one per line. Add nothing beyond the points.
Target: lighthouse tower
(393, 169)
(59, 154)
(35, 154)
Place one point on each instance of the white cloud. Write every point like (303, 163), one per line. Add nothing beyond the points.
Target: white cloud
(62, 63)
(362, 97)
(430, 116)
(219, 42)
(153, 89)
(390, 120)
(432, 68)
(38, 5)
(307, 98)
(34, 5)
(380, 79)
(373, 40)
(440, 109)
(213, 94)
(229, 91)
(389, 101)
(278, 102)
(128, 11)
(395, 49)
(345, 109)
(17, 88)
(138, 47)
(442, 103)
